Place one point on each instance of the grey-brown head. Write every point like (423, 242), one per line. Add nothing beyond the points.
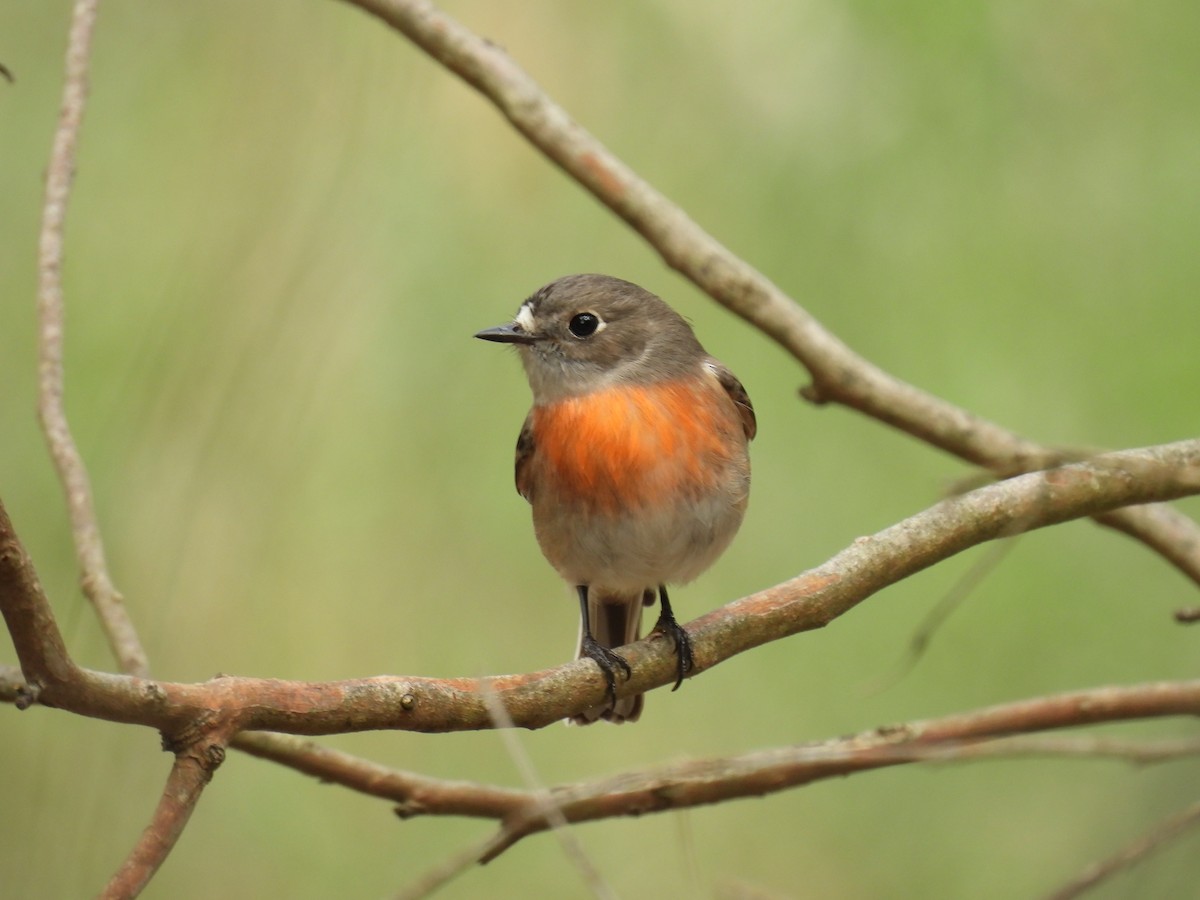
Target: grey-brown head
(582, 332)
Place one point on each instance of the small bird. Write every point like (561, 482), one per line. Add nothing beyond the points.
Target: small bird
(634, 459)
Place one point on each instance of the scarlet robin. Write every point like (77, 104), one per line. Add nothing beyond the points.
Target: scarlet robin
(634, 459)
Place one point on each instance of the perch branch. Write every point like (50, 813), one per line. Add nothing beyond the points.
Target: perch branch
(809, 601)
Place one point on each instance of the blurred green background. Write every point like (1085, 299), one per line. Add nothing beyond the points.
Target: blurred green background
(287, 225)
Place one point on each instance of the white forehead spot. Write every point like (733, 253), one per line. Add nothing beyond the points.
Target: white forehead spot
(525, 318)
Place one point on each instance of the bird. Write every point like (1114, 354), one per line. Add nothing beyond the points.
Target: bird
(634, 459)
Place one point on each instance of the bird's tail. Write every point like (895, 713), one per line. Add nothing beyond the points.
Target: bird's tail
(616, 620)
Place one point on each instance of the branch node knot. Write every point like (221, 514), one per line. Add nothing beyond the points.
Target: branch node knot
(212, 756)
(813, 394)
(27, 695)
(409, 809)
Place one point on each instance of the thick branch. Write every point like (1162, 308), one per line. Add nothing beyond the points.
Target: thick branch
(60, 171)
(839, 374)
(811, 600)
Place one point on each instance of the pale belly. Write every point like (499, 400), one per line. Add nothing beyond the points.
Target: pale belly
(639, 548)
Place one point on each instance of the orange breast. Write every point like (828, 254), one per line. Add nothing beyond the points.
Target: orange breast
(625, 446)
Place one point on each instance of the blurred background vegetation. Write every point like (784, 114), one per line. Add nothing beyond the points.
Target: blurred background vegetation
(286, 227)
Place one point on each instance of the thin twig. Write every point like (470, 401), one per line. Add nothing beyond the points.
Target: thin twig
(414, 794)
(190, 774)
(545, 804)
(947, 605)
(1166, 831)
(1164, 529)
(961, 590)
(1136, 752)
(534, 796)
(449, 869)
(839, 374)
(60, 172)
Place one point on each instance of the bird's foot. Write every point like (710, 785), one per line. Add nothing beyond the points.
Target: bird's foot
(608, 661)
(667, 625)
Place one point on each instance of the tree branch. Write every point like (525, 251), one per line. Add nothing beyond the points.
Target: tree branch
(60, 171)
(30, 620)
(190, 774)
(414, 794)
(962, 738)
(950, 739)
(811, 600)
(839, 375)
(420, 795)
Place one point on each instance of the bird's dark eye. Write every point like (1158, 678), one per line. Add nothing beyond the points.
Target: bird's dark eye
(584, 324)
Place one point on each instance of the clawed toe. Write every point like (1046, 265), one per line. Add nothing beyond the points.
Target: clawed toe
(608, 661)
(685, 662)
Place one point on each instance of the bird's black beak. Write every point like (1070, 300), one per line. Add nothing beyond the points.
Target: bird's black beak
(511, 333)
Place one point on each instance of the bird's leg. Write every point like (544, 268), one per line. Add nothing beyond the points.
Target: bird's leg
(666, 624)
(608, 661)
